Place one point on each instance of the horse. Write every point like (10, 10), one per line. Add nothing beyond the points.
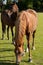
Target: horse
(8, 17)
(26, 24)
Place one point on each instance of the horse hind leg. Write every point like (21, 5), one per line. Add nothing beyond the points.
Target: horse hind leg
(3, 31)
(12, 33)
(8, 32)
(33, 45)
(2, 35)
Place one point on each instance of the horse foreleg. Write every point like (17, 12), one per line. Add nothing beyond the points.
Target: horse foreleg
(8, 32)
(28, 41)
(33, 45)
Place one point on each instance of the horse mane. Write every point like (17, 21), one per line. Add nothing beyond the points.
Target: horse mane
(20, 27)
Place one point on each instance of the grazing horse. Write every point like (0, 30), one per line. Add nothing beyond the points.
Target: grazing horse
(26, 24)
(8, 17)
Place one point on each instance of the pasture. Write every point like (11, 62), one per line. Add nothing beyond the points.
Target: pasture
(7, 56)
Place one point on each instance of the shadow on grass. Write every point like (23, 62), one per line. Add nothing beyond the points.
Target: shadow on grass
(6, 56)
(6, 49)
(7, 62)
(8, 42)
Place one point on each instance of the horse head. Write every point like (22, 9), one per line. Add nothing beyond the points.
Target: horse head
(15, 8)
(18, 52)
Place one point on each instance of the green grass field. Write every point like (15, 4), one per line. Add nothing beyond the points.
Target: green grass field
(7, 56)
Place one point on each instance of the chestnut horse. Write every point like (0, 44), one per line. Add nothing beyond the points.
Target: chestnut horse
(26, 24)
(8, 17)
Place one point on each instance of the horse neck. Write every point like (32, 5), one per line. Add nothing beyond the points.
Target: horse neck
(20, 28)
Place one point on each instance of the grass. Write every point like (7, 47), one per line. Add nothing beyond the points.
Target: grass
(7, 56)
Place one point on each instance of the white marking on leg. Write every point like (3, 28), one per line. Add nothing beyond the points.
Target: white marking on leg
(27, 50)
(33, 48)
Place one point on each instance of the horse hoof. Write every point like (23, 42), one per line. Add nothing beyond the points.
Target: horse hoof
(27, 50)
(8, 38)
(33, 48)
(30, 60)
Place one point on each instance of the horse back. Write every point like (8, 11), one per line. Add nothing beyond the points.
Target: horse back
(32, 11)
